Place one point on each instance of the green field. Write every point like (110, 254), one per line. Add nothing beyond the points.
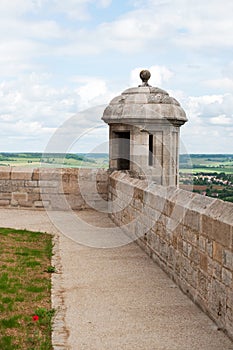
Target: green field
(206, 163)
(35, 160)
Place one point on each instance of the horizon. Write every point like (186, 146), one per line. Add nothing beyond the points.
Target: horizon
(188, 154)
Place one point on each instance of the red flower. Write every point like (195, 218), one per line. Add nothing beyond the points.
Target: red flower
(35, 318)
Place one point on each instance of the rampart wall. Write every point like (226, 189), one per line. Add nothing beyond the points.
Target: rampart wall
(190, 236)
(57, 189)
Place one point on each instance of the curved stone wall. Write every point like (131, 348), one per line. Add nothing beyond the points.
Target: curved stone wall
(190, 236)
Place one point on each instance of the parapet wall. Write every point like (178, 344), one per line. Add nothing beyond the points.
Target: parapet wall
(56, 189)
(190, 236)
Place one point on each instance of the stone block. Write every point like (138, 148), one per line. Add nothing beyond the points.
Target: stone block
(163, 249)
(168, 207)
(30, 183)
(112, 182)
(203, 284)
(202, 243)
(209, 247)
(102, 187)
(41, 204)
(217, 300)
(207, 225)
(228, 259)
(4, 173)
(11, 185)
(192, 219)
(178, 213)
(152, 213)
(71, 187)
(102, 175)
(4, 202)
(48, 183)
(190, 235)
(226, 277)
(35, 174)
(201, 204)
(158, 203)
(171, 256)
(180, 245)
(33, 197)
(217, 252)
(87, 174)
(216, 270)
(222, 211)
(138, 194)
(14, 203)
(137, 204)
(47, 174)
(230, 298)
(20, 196)
(18, 173)
(69, 177)
(25, 204)
(204, 262)
(222, 233)
(5, 195)
(183, 198)
(194, 255)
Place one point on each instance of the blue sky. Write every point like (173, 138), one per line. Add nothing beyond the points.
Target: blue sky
(58, 58)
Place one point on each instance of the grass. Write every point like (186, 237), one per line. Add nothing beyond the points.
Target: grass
(227, 170)
(54, 162)
(25, 290)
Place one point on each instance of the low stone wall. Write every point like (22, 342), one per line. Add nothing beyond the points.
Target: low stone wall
(190, 236)
(56, 189)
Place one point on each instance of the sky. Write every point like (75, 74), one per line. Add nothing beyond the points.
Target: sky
(60, 59)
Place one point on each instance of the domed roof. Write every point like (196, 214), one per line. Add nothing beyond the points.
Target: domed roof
(144, 104)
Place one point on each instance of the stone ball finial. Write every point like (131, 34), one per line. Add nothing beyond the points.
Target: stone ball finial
(145, 76)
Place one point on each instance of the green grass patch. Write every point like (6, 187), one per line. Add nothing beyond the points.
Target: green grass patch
(25, 290)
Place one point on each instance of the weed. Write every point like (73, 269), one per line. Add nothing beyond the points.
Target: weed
(11, 322)
(35, 289)
(51, 269)
(19, 299)
(6, 300)
(6, 343)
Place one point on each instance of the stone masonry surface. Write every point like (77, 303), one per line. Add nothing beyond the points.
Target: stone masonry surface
(57, 189)
(190, 236)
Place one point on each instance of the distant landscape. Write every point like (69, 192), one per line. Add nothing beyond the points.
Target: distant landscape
(69, 160)
(207, 174)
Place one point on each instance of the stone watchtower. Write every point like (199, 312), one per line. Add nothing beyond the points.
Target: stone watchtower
(144, 132)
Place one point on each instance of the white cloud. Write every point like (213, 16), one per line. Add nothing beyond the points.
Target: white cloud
(210, 124)
(222, 120)
(220, 84)
(159, 75)
(32, 109)
(73, 9)
(15, 8)
(158, 23)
